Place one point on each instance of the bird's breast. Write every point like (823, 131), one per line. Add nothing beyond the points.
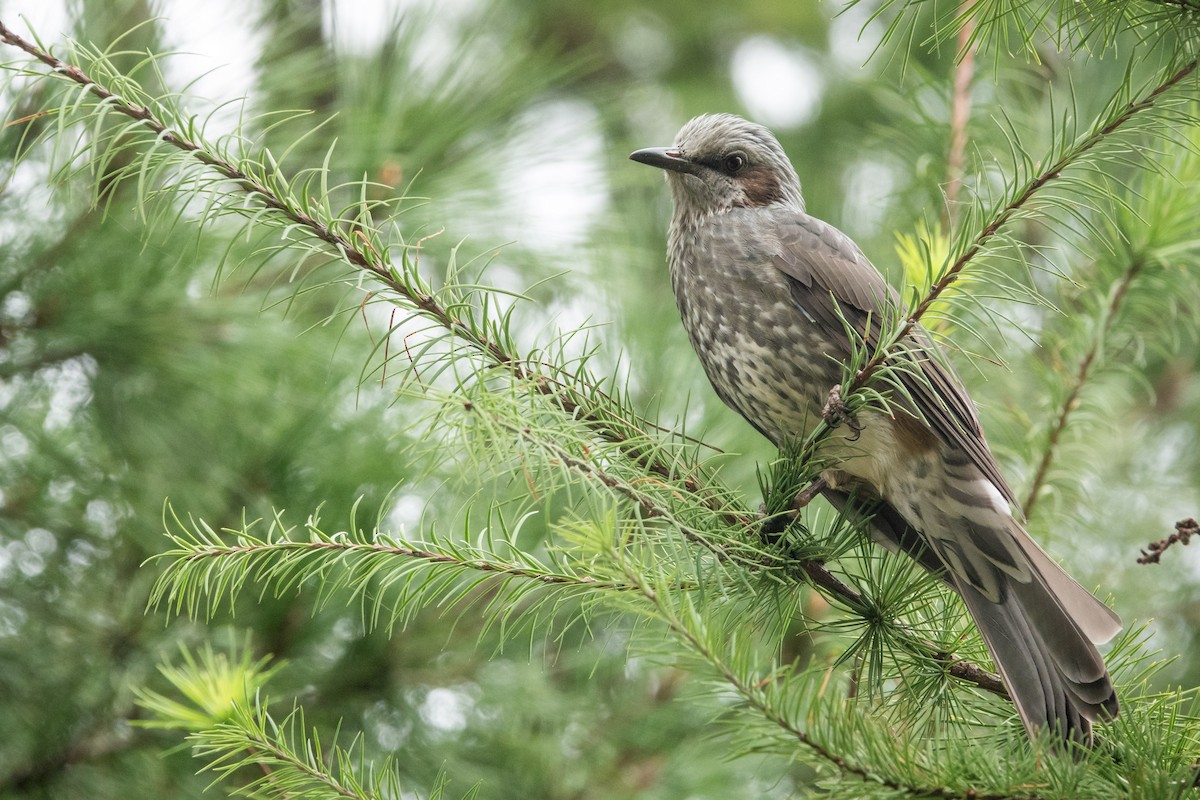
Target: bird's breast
(763, 356)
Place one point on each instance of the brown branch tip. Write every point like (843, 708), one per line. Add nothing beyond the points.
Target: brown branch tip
(1185, 529)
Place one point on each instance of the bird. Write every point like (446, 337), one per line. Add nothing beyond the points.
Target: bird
(775, 302)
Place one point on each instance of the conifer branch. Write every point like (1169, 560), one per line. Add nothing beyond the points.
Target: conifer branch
(814, 570)
(360, 255)
(1028, 192)
(659, 503)
(883, 354)
(337, 549)
(1082, 373)
(754, 695)
(218, 699)
(293, 760)
(266, 752)
(389, 575)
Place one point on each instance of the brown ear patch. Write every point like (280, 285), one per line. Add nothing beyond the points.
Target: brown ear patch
(760, 187)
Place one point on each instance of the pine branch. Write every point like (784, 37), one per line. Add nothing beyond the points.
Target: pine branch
(1000, 218)
(393, 578)
(860, 381)
(1186, 5)
(264, 751)
(881, 362)
(336, 550)
(650, 508)
(752, 692)
(359, 254)
(814, 570)
(217, 698)
(293, 761)
(1004, 27)
(1082, 373)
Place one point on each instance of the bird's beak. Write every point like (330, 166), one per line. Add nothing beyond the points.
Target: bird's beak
(665, 158)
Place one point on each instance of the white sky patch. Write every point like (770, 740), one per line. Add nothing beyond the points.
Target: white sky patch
(30, 563)
(12, 618)
(47, 18)
(102, 517)
(30, 181)
(361, 25)
(15, 307)
(388, 726)
(60, 490)
(13, 442)
(779, 84)
(391, 736)
(444, 37)
(553, 183)
(71, 390)
(853, 36)
(644, 45)
(215, 44)
(446, 709)
(405, 512)
(41, 541)
(869, 186)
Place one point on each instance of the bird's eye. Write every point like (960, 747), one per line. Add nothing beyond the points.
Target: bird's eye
(734, 162)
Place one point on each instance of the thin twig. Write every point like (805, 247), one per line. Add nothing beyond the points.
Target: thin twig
(960, 112)
(1185, 529)
(1082, 374)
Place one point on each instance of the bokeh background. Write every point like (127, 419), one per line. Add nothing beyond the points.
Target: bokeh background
(130, 375)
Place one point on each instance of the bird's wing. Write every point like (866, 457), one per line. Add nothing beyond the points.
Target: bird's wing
(832, 280)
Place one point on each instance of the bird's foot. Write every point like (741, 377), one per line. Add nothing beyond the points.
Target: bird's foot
(835, 413)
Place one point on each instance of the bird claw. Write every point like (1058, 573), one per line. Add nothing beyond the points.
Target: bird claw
(835, 413)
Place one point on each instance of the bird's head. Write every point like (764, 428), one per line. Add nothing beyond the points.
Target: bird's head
(720, 162)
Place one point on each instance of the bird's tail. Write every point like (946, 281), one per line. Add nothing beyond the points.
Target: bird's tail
(1042, 634)
(1041, 626)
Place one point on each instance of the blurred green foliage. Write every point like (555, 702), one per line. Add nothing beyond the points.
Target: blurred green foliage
(139, 364)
